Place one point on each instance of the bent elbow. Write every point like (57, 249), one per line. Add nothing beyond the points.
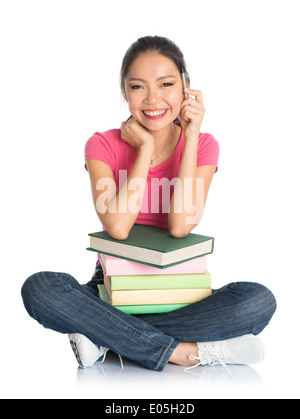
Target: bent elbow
(179, 232)
(118, 233)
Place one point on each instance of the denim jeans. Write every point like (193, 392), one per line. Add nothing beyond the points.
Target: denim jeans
(59, 302)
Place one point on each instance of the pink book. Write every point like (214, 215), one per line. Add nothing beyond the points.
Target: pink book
(116, 266)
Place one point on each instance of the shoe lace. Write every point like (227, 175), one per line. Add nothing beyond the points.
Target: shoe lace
(104, 356)
(209, 357)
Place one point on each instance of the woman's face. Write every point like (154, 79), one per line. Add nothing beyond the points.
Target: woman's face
(154, 91)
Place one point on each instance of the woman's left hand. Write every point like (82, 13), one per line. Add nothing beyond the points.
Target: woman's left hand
(192, 113)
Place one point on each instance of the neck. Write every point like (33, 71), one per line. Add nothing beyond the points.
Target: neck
(164, 138)
(165, 142)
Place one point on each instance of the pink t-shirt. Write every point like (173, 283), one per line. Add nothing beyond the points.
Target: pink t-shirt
(110, 148)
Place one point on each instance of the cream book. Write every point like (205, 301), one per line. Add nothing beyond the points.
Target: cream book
(170, 296)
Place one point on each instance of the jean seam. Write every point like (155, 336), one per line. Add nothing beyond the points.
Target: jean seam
(124, 322)
(163, 356)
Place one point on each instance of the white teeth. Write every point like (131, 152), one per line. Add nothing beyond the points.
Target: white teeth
(155, 113)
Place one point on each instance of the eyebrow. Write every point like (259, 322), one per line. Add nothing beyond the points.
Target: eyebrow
(167, 76)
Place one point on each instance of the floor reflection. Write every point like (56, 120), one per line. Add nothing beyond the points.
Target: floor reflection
(174, 381)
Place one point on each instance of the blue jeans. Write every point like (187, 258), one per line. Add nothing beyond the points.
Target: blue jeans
(59, 302)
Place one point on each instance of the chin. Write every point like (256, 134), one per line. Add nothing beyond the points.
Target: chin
(157, 125)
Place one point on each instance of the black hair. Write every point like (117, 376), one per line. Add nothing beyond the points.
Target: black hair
(150, 44)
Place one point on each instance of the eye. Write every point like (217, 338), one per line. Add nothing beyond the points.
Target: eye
(136, 86)
(167, 84)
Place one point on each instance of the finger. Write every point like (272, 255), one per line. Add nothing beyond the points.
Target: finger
(196, 93)
(193, 105)
(130, 121)
(190, 114)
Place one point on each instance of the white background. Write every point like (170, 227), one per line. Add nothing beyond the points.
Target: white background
(59, 84)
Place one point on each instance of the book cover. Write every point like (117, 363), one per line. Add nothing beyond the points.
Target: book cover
(163, 281)
(112, 265)
(152, 245)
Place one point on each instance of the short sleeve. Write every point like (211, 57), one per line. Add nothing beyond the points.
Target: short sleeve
(208, 151)
(100, 147)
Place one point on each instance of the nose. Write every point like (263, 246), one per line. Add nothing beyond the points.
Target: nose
(153, 96)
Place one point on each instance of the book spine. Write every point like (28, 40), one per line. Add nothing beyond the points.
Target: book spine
(150, 308)
(147, 282)
(143, 308)
(119, 266)
(120, 249)
(169, 296)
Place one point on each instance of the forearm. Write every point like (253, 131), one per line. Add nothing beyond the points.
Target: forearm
(184, 212)
(123, 209)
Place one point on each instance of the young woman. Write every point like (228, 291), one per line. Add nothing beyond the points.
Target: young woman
(161, 140)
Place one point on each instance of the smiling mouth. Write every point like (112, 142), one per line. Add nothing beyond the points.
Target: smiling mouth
(155, 114)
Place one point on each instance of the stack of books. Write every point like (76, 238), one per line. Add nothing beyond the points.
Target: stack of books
(152, 272)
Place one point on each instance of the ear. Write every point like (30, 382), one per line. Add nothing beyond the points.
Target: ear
(188, 81)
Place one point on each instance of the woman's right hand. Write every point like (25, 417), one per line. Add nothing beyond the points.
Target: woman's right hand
(135, 134)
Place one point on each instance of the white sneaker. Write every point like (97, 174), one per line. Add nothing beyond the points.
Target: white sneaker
(86, 352)
(247, 349)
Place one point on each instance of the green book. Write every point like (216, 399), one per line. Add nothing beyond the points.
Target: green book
(152, 245)
(169, 281)
(141, 309)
